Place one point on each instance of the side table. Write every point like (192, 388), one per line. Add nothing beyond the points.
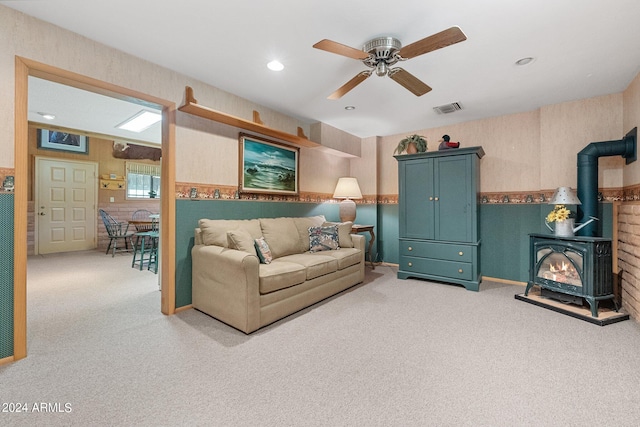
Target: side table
(356, 228)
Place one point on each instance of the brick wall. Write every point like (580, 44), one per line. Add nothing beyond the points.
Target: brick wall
(629, 257)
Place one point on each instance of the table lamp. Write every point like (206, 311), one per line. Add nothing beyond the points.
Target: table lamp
(347, 189)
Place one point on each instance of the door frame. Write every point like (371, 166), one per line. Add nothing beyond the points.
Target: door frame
(23, 69)
(36, 198)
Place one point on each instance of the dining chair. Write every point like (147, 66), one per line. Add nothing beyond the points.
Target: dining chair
(117, 230)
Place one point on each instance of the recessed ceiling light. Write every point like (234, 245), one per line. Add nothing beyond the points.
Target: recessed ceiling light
(140, 121)
(275, 65)
(349, 107)
(525, 61)
(47, 116)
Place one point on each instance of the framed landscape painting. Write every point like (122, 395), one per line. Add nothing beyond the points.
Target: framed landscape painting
(267, 166)
(62, 141)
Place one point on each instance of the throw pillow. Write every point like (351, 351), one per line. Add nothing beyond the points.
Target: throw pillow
(241, 240)
(344, 233)
(263, 251)
(323, 238)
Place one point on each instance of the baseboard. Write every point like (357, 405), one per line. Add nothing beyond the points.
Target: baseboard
(7, 360)
(183, 308)
(508, 282)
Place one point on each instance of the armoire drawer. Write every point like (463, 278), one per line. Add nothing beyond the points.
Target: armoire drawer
(443, 251)
(437, 267)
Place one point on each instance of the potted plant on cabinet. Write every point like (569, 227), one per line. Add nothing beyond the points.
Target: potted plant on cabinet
(412, 144)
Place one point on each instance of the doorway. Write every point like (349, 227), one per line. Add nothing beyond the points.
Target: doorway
(25, 68)
(65, 205)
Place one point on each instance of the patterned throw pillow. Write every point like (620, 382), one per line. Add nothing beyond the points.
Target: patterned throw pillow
(263, 251)
(323, 238)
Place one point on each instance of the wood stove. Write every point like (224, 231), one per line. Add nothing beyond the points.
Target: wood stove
(576, 266)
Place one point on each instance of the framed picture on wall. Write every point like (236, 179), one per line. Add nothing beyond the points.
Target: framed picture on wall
(267, 166)
(62, 141)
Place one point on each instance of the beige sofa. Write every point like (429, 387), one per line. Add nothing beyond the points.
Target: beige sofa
(231, 283)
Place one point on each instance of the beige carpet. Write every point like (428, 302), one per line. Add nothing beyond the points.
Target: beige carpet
(385, 353)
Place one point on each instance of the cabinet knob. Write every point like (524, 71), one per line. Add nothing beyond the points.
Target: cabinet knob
(430, 198)
(437, 198)
(410, 264)
(460, 253)
(410, 248)
(460, 270)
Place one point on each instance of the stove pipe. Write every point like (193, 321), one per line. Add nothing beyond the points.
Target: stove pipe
(588, 175)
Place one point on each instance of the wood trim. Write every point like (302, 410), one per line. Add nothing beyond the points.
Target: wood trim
(505, 281)
(184, 308)
(21, 144)
(7, 360)
(191, 107)
(23, 69)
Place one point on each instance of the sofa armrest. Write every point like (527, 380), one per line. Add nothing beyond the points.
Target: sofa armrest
(225, 285)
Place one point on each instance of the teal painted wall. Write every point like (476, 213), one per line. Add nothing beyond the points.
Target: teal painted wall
(188, 212)
(504, 230)
(6, 275)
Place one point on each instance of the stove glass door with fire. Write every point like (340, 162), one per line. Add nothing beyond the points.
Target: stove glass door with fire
(578, 266)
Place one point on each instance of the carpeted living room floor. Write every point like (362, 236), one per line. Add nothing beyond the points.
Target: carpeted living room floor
(388, 352)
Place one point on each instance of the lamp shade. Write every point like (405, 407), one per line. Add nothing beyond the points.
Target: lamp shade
(347, 188)
(564, 196)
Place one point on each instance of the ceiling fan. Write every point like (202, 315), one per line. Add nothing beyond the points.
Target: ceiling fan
(381, 53)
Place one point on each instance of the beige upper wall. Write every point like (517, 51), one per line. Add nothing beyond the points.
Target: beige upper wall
(511, 144)
(524, 152)
(567, 128)
(631, 119)
(206, 152)
(536, 150)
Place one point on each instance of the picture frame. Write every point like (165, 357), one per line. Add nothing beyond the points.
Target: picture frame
(267, 167)
(63, 141)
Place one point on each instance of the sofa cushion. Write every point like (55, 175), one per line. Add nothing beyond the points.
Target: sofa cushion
(281, 235)
(323, 238)
(303, 224)
(280, 275)
(241, 240)
(344, 233)
(346, 257)
(315, 265)
(214, 231)
(263, 251)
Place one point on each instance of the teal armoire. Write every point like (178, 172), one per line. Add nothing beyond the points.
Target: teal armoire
(438, 214)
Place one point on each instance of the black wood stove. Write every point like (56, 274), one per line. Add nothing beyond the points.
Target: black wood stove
(575, 266)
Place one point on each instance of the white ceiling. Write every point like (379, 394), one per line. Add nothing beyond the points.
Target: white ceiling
(581, 48)
(86, 111)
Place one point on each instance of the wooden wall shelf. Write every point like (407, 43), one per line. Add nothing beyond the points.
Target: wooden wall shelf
(108, 183)
(191, 107)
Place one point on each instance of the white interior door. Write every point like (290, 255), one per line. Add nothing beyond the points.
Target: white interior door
(65, 205)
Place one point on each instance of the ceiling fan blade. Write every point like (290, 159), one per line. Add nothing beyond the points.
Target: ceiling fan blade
(341, 49)
(359, 78)
(409, 81)
(437, 41)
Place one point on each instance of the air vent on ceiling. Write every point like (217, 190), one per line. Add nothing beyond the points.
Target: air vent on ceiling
(448, 108)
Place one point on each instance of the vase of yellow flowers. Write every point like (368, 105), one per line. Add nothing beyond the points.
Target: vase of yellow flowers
(564, 222)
